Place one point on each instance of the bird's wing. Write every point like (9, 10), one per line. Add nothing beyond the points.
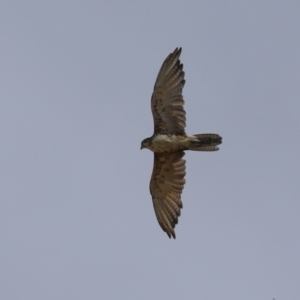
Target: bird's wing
(166, 186)
(167, 101)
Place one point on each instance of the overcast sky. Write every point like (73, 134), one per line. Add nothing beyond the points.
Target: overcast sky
(76, 215)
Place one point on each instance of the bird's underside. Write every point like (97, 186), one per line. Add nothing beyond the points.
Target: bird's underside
(161, 143)
(169, 142)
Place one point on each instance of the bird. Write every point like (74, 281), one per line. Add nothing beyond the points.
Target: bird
(169, 143)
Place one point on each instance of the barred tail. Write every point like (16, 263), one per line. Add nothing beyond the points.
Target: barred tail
(206, 142)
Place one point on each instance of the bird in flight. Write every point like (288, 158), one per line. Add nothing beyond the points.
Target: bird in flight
(169, 141)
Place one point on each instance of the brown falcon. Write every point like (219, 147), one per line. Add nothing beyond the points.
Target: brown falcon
(169, 141)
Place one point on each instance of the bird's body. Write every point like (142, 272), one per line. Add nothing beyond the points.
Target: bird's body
(162, 143)
(169, 142)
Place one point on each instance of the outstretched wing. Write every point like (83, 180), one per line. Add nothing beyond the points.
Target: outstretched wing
(166, 186)
(167, 101)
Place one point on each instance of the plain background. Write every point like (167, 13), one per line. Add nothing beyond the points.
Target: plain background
(76, 215)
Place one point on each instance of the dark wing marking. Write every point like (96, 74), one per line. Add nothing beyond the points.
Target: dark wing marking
(166, 186)
(167, 101)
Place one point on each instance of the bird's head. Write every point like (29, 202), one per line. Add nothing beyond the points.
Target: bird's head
(145, 143)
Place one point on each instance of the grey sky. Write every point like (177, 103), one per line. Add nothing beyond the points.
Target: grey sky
(76, 215)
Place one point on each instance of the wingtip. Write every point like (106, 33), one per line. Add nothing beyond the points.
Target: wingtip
(177, 51)
(171, 234)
